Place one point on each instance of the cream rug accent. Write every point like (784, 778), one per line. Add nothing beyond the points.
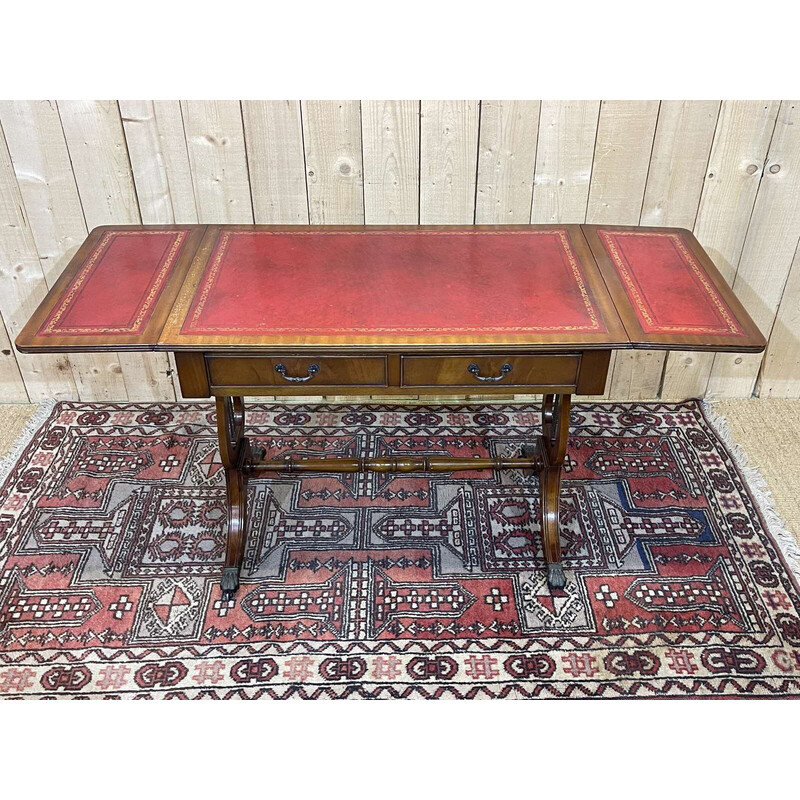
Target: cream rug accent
(769, 433)
(13, 419)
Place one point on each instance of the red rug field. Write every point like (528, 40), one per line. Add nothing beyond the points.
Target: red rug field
(375, 586)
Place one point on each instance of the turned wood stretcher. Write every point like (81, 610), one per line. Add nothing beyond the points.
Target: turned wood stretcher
(266, 310)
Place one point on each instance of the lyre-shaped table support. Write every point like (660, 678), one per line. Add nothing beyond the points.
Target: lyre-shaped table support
(234, 448)
(555, 433)
(240, 460)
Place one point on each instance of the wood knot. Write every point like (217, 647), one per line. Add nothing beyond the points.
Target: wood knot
(343, 165)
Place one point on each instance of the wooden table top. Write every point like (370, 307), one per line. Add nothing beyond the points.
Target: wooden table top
(558, 287)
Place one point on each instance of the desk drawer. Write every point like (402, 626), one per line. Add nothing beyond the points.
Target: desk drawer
(296, 372)
(490, 371)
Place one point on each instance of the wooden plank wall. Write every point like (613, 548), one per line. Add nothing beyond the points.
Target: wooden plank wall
(728, 170)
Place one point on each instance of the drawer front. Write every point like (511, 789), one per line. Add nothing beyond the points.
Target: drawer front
(490, 371)
(296, 372)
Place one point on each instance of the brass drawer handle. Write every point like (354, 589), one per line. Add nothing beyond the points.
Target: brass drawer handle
(475, 370)
(312, 371)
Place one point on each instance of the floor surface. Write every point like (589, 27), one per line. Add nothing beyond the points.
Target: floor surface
(767, 430)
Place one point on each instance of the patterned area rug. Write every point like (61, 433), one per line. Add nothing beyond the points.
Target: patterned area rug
(111, 544)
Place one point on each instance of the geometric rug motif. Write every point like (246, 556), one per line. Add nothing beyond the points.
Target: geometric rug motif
(112, 539)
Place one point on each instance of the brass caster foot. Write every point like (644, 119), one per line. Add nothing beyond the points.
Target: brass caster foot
(556, 578)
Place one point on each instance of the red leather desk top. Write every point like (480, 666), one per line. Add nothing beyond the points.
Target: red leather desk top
(560, 287)
(116, 292)
(666, 286)
(118, 287)
(668, 292)
(484, 285)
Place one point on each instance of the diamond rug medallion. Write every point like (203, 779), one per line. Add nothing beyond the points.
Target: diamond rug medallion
(379, 586)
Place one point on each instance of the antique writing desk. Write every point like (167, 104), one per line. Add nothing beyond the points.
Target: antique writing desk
(256, 310)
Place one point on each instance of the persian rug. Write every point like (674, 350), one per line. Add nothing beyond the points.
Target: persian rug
(384, 586)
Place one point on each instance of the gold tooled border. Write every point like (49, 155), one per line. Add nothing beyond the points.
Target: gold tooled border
(190, 326)
(50, 326)
(641, 304)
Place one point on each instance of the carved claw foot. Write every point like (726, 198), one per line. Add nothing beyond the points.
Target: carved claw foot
(556, 578)
(230, 582)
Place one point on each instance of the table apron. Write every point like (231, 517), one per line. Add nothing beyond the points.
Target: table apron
(421, 373)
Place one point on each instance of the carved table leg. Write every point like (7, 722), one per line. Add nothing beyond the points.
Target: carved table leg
(555, 432)
(235, 452)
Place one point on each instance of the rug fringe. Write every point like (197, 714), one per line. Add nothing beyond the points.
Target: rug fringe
(776, 525)
(36, 420)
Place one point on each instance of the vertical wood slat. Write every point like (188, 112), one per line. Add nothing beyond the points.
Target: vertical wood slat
(780, 375)
(273, 138)
(24, 287)
(44, 174)
(448, 161)
(47, 183)
(159, 158)
(390, 132)
(98, 159)
(273, 133)
(741, 139)
(621, 158)
(334, 167)
(681, 149)
(96, 145)
(334, 172)
(564, 156)
(100, 163)
(215, 141)
(162, 175)
(506, 160)
(390, 135)
(622, 154)
(12, 387)
(768, 251)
